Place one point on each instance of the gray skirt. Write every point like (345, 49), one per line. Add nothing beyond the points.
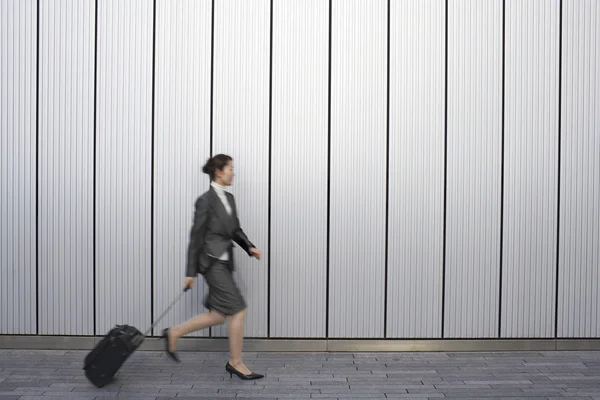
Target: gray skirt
(223, 294)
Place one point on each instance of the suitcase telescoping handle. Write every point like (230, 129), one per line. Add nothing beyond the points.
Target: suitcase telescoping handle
(166, 311)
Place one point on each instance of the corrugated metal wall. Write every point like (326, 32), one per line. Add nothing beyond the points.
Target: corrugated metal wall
(123, 164)
(416, 169)
(474, 168)
(579, 232)
(298, 168)
(66, 167)
(358, 173)
(530, 168)
(181, 115)
(18, 177)
(410, 169)
(241, 128)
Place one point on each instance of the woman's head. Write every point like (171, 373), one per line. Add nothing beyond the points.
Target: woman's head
(220, 169)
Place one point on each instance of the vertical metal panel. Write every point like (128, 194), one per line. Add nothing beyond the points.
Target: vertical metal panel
(181, 146)
(416, 175)
(123, 156)
(299, 165)
(358, 168)
(18, 26)
(579, 229)
(241, 129)
(66, 159)
(530, 168)
(473, 168)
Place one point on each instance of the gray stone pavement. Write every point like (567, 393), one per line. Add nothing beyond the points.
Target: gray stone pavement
(44, 375)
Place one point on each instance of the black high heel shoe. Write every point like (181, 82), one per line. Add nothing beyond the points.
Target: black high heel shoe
(171, 354)
(229, 368)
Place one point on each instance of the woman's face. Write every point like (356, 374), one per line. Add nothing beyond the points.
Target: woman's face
(226, 175)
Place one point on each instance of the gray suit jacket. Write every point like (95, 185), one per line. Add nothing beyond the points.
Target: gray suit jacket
(212, 233)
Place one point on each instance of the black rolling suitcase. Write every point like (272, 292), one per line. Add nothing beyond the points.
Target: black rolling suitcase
(107, 357)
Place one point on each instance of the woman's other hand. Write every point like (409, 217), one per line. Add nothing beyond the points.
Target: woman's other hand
(255, 252)
(188, 283)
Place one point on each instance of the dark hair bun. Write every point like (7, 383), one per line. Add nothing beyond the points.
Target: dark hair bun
(208, 167)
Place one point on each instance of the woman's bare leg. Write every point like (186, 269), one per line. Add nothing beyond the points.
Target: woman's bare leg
(236, 339)
(201, 321)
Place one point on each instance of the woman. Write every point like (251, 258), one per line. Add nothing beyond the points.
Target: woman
(210, 253)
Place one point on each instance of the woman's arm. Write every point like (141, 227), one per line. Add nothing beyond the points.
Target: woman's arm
(197, 237)
(240, 237)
